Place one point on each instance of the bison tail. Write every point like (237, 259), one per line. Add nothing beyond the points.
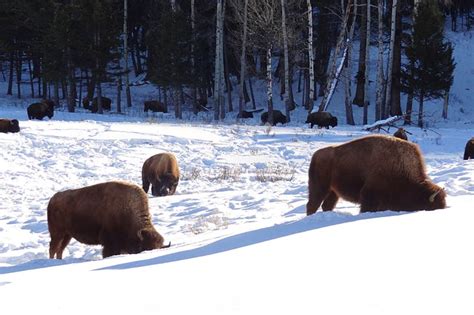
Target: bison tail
(166, 246)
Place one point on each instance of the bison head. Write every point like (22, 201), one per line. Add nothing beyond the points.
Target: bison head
(150, 239)
(14, 126)
(333, 122)
(164, 185)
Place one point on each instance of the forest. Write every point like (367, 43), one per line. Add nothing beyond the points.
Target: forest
(201, 53)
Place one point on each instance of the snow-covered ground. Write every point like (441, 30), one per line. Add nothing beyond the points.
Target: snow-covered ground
(241, 242)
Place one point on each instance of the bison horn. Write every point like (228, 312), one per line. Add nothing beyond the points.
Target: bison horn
(432, 197)
(166, 246)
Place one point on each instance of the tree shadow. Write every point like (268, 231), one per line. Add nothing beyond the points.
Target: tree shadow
(313, 222)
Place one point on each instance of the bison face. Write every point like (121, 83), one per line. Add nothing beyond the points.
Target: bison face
(149, 239)
(164, 186)
(333, 122)
(14, 126)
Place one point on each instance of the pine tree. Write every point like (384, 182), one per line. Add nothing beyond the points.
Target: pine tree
(431, 73)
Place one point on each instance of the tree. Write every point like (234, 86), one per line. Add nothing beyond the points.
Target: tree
(432, 58)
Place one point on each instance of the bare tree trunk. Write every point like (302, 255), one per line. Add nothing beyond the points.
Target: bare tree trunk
(360, 88)
(367, 71)
(10, 75)
(56, 93)
(243, 64)
(18, 74)
(252, 96)
(288, 106)
(228, 84)
(218, 74)
(269, 85)
(99, 97)
(31, 79)
(177, 103)
(125, 52)
(310, 99)
(446, 104)
(193, 62)
(348, 70)
(395, 108)
(420, 111)
(119, 94)
(388, 91)
(380, 75)
(409, 106)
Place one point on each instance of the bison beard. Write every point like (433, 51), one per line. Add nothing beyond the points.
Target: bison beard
(112, 214)
(377, 172)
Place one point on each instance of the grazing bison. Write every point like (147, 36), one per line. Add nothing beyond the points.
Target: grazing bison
(469, 150)
(155, 106)
(378, 172)
(322, 119)
(106, 104)
(401, 133)
(7, 125)
(278, 117)
(113, 214)
(248, 113)
(162, 172)
(41, 110)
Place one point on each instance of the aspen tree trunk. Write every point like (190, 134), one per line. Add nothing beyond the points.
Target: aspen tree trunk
(18, 73)
(348, 71)
(288, 106)
(125, 52)
(380, 80)
(218, 72)
(388, 90)
(56, 92)
(445, 105)
(32, 86)
(221, 60)
(119, 94)
(269, 85)
(360, 87)
(367, 68)
(243, 64)
(420, 111)
(10, 74)
(409, 106)
(310, 99)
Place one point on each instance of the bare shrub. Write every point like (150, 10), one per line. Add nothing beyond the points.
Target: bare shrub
(275, 173)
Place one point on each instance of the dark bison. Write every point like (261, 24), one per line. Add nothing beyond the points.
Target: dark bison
(41, 110)
(469, 150)
(378, 172)
(322, 119)
(162, 172)
(106, 104)
(7, 125)
(401, 133)
(155, 106)
(113, 214)
(278, 117)
(248, 113)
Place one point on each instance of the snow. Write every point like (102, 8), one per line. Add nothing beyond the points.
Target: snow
(241, 241)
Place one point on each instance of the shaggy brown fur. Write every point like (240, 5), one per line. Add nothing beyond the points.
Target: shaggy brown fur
(322, 119)
(106, 104)
(154, 106)
(401, 133)
(112, 214)
(162, 172)
(469, 150)
(278, 117)
(7, 125)
(378, 172)
(41, 110)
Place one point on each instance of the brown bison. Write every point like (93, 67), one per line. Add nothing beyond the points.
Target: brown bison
(248, 113)
(378, 172)
(155, 106)
(106, 104)
(7, 125)
(469, 150)
(162, 172)
(322, 119)
(278, 117)
(112, 214)
(401, 133)
(41, 110)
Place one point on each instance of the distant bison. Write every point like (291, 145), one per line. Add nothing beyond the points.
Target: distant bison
(377, 172)
(41, 110)
(155, 106)
(401, 133)
(248, 113)
(322, 119)
(469, 150)
(112, 214)
(7, 125)
(162, 172)
(106, 104)
(278, 117)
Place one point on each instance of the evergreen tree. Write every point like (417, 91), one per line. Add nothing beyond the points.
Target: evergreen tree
(431, 73)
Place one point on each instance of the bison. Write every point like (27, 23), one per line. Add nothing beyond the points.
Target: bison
(469, 150)
(162, 172)
(322, 119)
(112, 214)
(401, 133)
(7, 125)
(278, 117)
(378, 172)
(248, 113)
(155, 106)
(106, 104)
(41, 110)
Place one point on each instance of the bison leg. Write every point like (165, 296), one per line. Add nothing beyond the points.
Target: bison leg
(64, 242)
(111, 249)
(317, 193)
(145, 185)
(57, 245)
(369, 200)
(330, 201)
